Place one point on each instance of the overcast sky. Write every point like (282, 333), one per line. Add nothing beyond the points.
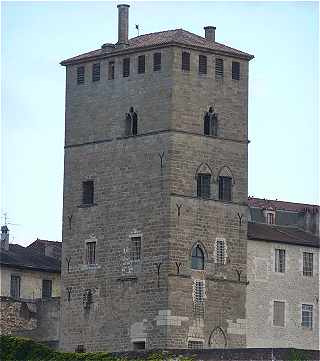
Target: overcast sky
(283, 102)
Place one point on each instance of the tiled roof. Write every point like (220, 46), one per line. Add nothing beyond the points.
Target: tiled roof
(169, 37)
(281, 205)
(282, 234)
(21, 257)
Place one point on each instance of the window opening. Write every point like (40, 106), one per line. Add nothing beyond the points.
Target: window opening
(211, 123)
(136, 248)
(197, 258)
(219, 68)
(307, 316)
(96, 72)
(270, 218)
(203, 185)
(225, 186)
(195, 345)
(307, 264)
(220, 251)
(141, 64)
(132, 122)
(156, 61)
(15, 285)
(126, 67)
(185, 63)
(198, 297)
(235, 70)
(202, 64)
(280, 260)
(278, 313)
(91, 252)
(46, 288)
(139, 345)
(87, 192)
(111, 70)
(80, 75)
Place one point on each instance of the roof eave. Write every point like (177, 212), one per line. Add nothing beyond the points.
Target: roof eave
(31, 268)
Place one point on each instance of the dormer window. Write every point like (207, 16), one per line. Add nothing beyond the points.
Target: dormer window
(270, 218)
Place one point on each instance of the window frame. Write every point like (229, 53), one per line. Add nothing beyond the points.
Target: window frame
(89, 255)
(157, 61)
(219, 68)
(277, 322)
(197, 260)
(141, 65)
(306, 320)
(307, 265)
(126, 67)
(136, 252)
(225, 194)
(46, 294)
(270, 218)
(203, 65)
(96, 72)
(280, 266)
(111, 70)
(81, 74)
(236, 70)
(88, 192)
(195, 343)
(220, 253)
(203, 188)
(185, 61)
(14, 278)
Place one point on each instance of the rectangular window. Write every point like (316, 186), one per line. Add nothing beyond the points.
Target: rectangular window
(219, 68)
(141, 64)
(203, 185)
(220, 251)
(202, 64)
(139, 345)
(96, 72)
(15, 286)
(87, 192)
(278, 313)
(80, 75)
(307, 264)
(198, 297)
(136, 248)
(46, 288)
(91, 253)
(111, 70)
(225, 186)
(185, 63)
(235, 70)
(126, 67)
(195, 345)
(156, 61)
(280, 260)
(307, 315)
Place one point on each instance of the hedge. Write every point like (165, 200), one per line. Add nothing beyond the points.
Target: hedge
(23, 349)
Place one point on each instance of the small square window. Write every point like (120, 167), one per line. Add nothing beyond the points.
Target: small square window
(91, 253)
(126, 67)
(219, 68)
(235, 70)
(307, 264)
(203, 185)
(111, 70)
(80, 74)
(280, 260)
(185, 64)
(141, 64)
(87, 192)
(278, 313)
(156, 61)
(307, 316)
(225, 188)
(195, 345)
(46, 288)
(96, 72)
(202, 64)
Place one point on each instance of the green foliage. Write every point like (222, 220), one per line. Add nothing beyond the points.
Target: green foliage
(297, 355)
(24, 349)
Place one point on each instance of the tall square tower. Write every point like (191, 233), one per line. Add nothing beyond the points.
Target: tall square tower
(155, 193)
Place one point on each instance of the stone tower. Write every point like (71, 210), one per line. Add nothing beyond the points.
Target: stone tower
(155, 193)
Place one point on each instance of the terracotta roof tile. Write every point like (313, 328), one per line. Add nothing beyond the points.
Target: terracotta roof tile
(281, 205)
(177, 36)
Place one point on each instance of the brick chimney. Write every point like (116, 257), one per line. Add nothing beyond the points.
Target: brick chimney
(123, 24)
(5, 238)
(210, 33)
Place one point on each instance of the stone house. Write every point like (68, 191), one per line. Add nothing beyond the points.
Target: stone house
(155, 212)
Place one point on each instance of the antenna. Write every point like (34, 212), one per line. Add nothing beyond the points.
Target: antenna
(137, 27)
(6, 218)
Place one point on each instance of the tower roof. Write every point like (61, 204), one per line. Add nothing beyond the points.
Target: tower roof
(159, 39)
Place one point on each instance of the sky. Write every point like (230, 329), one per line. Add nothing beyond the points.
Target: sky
(283, 93)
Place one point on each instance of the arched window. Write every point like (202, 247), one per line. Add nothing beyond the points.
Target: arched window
(197, 258)
(132, 122)
(210, 123)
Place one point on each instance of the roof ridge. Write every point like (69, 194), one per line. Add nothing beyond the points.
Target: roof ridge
(155, 32)
(280, 201)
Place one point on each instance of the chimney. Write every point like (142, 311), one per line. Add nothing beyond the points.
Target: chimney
(123, 24)
(210, 33)
(5, 238)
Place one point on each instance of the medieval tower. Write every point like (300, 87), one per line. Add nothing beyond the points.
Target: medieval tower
(155, 193)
